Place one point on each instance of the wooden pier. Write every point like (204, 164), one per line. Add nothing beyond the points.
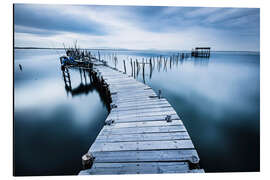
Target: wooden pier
(142, 134)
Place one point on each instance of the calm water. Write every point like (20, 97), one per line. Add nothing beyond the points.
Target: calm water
(53, 128)
(218, 100)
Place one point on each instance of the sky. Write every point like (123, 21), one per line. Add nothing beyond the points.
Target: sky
(137, 27)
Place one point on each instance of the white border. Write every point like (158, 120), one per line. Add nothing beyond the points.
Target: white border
(6, 85)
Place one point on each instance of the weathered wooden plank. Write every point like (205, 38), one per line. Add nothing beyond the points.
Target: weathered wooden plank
(125, 83)
(139, 101)
(136, 84)
(132, 89)
(131, 100)
(138, 168)
(142, 137)
(121, 81)
(133, 96)
(116, 78)
(148, 112)
(151, 106)
(142, 112)
(126, 89)
(142, 102)
(147, 156)
(142, 106)
(119, 119)
(118, 87)
(141, 130)
(145, 124)
(142, 145)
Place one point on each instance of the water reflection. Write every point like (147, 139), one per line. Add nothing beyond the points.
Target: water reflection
(49, 123)
(85, 85)
(201, 61)
(89, 82)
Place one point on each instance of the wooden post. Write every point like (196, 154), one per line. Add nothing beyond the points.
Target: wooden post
(125, 66)
(98, 56)
(170, 62)
(143, 73)
(115, 59)
(143, 67)
(150, 68)
(87, 160)
(159, 94)
(131, 67)
(138, 67)
(177, 60)
(165, 61)
(134, 68)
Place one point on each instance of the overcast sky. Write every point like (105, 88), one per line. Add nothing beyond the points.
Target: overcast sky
(137, 27)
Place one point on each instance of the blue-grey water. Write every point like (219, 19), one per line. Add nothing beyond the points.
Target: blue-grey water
(218, 100)
(53, 127)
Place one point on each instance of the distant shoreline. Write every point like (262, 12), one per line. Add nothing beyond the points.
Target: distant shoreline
(104, 49)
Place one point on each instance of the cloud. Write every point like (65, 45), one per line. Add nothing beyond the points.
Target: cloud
(199, 12)
(54, 18)
(137, 27)
(35, 31)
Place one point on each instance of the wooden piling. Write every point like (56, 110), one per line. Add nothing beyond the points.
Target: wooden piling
(143, 73)
(125, 66)
(131, 66)
(170, 62)
(98, 56)
(134, 68)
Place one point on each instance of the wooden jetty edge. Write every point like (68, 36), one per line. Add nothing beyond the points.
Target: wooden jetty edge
(142, 134)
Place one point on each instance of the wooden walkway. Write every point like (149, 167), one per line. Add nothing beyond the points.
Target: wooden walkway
(140, 140)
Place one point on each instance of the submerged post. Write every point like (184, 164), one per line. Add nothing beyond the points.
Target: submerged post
(138, 67)
(131, 67)
(134, 68)
(125, 66)
(159, 94)
(143, 73)
(170, 62)
(98, 56)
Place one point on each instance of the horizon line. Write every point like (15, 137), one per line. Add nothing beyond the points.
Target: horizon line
(125, 49)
